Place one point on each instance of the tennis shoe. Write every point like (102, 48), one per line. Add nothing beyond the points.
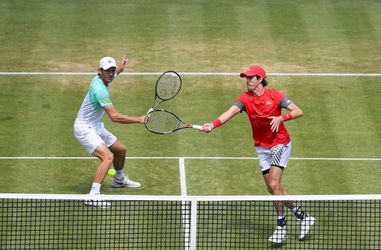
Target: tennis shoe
(98, 202)
(125, 182)
(305, 226)
(279, 235)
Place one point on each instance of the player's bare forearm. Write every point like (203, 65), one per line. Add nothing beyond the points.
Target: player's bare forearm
(294, 112)
(125, 119)
(224, 117)
(122, 118)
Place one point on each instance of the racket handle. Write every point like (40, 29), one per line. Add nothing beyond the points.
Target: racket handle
(197, 127)
(151, 109)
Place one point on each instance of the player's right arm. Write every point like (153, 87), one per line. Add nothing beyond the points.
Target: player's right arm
(115, 116)
(224, 117)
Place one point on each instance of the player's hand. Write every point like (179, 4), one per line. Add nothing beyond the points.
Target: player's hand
(123, 65)
(275, 122)
(207, 127)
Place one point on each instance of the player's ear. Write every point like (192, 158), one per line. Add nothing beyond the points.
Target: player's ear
(99, 71)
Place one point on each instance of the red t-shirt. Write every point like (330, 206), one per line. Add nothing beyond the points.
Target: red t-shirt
(258, 109)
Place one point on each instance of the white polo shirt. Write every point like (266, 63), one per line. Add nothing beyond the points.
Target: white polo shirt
(91, 111)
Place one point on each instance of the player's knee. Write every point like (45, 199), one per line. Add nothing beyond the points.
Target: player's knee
(122, 150)
(108, 158)
(274, 187)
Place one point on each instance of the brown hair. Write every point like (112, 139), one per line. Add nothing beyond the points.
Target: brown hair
(264, 82)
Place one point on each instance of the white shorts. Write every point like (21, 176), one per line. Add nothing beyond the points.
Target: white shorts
(92, 137)
(278, 155)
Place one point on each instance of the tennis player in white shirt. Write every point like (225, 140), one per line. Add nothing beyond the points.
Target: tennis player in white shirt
(91, 133)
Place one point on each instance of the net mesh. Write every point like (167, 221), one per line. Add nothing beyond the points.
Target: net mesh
(69, 224)
(161, 122)
(248, 225)
(146, 223)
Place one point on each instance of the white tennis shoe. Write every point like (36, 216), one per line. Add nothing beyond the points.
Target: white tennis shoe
(125, 182)
(98, 202)
(279, 235)
(305, 226)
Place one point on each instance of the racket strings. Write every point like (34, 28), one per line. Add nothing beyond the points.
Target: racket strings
(162, 122)
(168, 86)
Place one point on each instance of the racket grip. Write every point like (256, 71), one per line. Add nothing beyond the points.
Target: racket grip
(197, 127)
(151, 109)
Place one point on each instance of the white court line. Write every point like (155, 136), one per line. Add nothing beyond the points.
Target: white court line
(185, 214)
(192, 73)
(182, 157)
(183, 180)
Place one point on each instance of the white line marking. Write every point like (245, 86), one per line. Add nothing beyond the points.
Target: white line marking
(183, 181)
(183, 157)
(192, 73)
(185, 214)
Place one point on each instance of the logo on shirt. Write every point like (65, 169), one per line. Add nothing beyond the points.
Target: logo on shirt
(106, 100)
(269, 102)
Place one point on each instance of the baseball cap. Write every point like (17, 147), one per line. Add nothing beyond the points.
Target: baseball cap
(253, 71)
(107, 62)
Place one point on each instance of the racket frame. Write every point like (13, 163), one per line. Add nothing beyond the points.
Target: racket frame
(186, 124)
(158, 99)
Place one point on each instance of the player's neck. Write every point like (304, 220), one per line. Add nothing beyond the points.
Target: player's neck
(260, 90)
(105, 82)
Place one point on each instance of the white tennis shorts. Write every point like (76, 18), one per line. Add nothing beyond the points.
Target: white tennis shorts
(92, 137)
(278, 155)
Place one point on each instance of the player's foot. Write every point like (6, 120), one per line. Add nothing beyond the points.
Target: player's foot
(305, 226)
(98, 202)
(279, 235)
(125, 182)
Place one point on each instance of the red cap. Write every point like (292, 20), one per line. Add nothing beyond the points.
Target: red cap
(254, 71)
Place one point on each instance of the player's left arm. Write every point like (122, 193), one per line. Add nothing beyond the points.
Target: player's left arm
(122, 66)
(294, 112)
(115, 116)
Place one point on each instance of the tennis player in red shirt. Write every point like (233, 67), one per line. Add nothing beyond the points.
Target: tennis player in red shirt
(271, 139)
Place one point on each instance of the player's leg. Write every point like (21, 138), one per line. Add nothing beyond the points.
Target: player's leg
(107, 158)
(280, 157)
(265, 159)
(89, 139)
(120, 179)
(119, 151)
(95, 145)
(273, 183)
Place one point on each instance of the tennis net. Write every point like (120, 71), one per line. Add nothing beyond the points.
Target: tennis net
(38, 221)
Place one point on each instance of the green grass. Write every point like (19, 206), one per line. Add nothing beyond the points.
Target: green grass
(192, 36)
(341, 119)
(342, 115)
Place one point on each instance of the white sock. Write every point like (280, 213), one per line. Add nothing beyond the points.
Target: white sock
(95, 188)
(119, 174)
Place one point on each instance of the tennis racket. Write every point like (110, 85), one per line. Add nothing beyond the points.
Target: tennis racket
(160, 121)
(167, 86)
